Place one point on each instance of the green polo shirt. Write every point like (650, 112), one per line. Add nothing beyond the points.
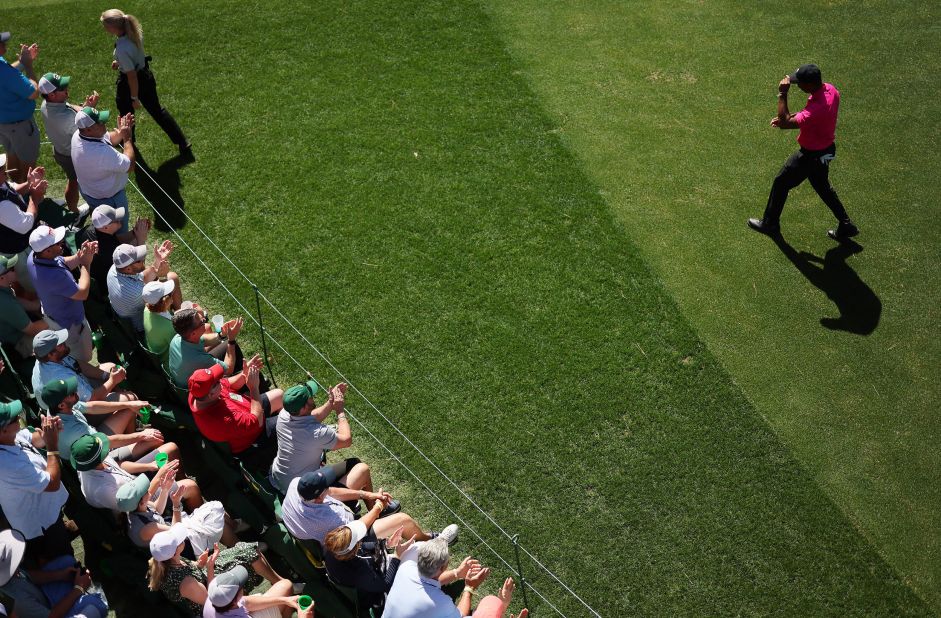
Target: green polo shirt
(186, 357)
(13, 318)
(158, 330)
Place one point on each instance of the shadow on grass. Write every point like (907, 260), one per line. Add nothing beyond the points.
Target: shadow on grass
(860, 308)
(162, 188)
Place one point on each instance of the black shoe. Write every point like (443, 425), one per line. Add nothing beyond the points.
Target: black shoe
(844, 231)
(392, 508)
(760, 225)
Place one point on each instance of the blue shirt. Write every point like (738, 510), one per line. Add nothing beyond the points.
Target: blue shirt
(44, 373)
(27, 505)
(414, 596)
(15, 90)
(185, 358)
(55, 287)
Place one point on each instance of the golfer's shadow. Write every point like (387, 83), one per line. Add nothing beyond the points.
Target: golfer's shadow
(859, 307)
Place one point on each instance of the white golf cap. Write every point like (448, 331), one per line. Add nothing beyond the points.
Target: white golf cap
(12, 547)
(359, 532)
(155, 290)
(105, 215)
(44, 237)
(164, 544)
(125, 255)
(223, 588)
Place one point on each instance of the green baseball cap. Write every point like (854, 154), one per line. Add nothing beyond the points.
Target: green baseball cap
(296, 396)
(50, 82)
(10, 412)
(53, 393)
(89, 116)
(89, 451)
(7, 263)
(130, 494)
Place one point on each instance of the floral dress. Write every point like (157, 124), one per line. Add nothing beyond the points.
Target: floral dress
(243, 554)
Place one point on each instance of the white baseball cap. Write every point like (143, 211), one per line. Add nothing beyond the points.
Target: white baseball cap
(155, 290)
(44, 237)
(164, 544)
(105, 215)
(126, 254)
(12, 547)
(359, 532)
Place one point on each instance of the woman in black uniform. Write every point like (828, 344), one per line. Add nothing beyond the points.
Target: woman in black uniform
(136, 84)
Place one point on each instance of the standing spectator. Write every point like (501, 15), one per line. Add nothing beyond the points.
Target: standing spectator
(19, 210)
(58, 116)
(136, 84)
(53, 362)
(60, 294)
(312, 507)
(101, 170)
(31, 491)
(188, 348)
(16, 327)
(223, 415)
(225, 597)
(105, 229)
(128, 276)
(19, 134)
(817, 124)
(159, 298)
(416, 591)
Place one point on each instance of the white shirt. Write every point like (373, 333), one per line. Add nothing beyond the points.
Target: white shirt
(101, 170)
(312, 520)
(415, 596)
(12, 217)
(27, 505)
(100, 487)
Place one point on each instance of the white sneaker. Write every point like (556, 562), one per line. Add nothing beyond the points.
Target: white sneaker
(449, 534)
(299, 588)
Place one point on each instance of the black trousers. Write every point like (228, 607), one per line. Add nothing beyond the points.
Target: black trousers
(812, 165)
(149, 100)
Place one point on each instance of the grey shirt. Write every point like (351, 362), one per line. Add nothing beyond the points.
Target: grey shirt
(130, 57)
(301, 443)
(59, 119)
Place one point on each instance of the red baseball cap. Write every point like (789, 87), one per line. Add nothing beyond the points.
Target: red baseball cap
(202, 380)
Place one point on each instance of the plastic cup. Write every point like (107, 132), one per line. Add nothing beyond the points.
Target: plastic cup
(161, 460)
(304, 602)
(144, 414)
(217, 322)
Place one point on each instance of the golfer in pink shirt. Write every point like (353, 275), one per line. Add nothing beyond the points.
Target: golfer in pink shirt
(817, 125)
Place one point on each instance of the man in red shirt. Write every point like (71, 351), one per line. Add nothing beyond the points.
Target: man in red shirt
(223, 415)
(817, 124)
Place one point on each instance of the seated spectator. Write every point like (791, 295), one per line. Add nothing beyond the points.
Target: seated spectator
(58, 116)
(223, 415)
(158, 325)
(225, 597)
(58, 588)
(312, 507)
(303, 438)
(416, 591)
(19, 215)
(183, 580)
(101, 475)
(105, 229)
(188, 348)
(55, 362)
(31, 492)
(60, 294)
(17, 328)
(496, 606)
(353, 558)
(129, 275)
(135, 450)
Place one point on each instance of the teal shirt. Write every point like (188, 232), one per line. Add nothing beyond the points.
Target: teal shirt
(74, 426)
(186, 357)
(13, 318)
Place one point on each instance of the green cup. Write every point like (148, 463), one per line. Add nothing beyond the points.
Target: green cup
(144, 414)
(161, 460)
(304, 602)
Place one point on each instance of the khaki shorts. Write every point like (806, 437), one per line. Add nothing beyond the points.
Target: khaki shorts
(21, 139)
(79, 341)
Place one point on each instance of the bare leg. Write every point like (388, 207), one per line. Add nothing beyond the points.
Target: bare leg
(19, 166)
(264, 569)
(283, 588)
(359, 478)
(192, 496)
(71, 195)
(276, 398)
(176, 298)
(387, 525)
(122, 421)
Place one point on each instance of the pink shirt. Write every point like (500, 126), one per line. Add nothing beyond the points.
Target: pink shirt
(817, 121)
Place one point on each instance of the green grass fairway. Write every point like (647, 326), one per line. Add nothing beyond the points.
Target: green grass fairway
(388, 174)
(666, 106)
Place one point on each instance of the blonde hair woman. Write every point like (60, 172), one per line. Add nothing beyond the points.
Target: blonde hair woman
(136, 85)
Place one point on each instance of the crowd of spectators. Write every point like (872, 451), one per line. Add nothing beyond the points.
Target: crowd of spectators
(54, 283)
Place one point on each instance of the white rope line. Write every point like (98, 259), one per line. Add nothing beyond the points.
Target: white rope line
(349, 382)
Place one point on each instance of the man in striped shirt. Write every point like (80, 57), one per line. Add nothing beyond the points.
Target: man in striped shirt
(129, 275)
